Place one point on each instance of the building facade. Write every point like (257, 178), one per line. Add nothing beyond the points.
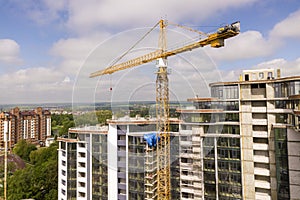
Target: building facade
(243, 142)
(82, 164)
(115, 164)
(250, 138)
(31, 125)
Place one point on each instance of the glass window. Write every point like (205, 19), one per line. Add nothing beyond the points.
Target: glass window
(280, 89)
(236, 178)
(227, 92)
(270, 75)
(223, 165)
(235, 154)
(235, 166)
(282, 118)
(261, 75)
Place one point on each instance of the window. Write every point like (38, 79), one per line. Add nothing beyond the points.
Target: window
(236, 190)
(235, 166)
(260, 85)
(223, 165)
(81, 194)
(280, 89)
(222, 153)
(226, 91)
(82, 145)
(209, 177)
(81, 164)
(81, 184)
(281, 104)
(209, 152)
(224, 177)
(235, 154)
(236, 178)
(270, 75)
(185, 172)
(224, 188)
(246, 77)
(209, 164)
(261, 75)
(209, 141)
(282, 118)
(63, 145)
(81, 154)
(234, 142)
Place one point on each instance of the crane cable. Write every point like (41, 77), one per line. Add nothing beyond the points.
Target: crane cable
(125, 53)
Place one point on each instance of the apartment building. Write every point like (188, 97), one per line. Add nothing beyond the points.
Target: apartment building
(31, 125)
(117, 163)
(243, 142)
(82, 164)
(249, 137)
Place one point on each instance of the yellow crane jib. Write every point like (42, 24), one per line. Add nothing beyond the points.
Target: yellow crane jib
(215, 40)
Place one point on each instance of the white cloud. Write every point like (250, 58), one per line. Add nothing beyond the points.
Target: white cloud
(246, 45)
(287, 28)
(44, 12)
(287, 67)
(115, 14)
(35, 85)
(9, 52)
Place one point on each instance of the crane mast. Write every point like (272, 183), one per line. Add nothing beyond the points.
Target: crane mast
(216, 40)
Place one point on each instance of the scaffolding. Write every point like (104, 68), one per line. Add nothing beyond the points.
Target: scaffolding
(150, 173)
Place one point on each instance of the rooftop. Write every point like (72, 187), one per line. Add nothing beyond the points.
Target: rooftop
(138, 120)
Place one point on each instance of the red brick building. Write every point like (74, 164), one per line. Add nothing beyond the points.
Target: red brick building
(31, 125)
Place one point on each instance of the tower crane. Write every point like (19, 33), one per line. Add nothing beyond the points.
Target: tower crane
(215, 40)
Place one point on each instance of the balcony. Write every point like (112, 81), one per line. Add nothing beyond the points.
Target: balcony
(196, 149)
(260, 134)
(196, 139)
(262, 184)
(259, 121)
(261, 171)
(186, 143)
(260, 159)
(122, 196)
(258, 146)
(81, 159)
(185, 132)
(259, 109)
(262, 196)
(187, 189)
(121, 153)
(121, 142)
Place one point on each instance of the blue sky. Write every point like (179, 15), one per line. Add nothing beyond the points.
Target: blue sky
(48, 48)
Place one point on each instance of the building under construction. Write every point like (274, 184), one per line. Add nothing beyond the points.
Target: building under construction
(243, 142)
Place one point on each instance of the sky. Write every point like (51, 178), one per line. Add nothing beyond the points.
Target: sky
(48, 48)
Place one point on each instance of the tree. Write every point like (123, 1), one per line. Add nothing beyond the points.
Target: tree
(103, 115)
(23, 149)
(39, 180)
